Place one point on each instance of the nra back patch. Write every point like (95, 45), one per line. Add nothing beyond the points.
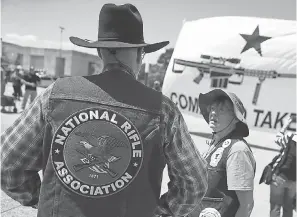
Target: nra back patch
(96, 152)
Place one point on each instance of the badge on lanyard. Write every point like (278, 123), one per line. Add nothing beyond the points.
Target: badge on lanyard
(216, 157)
(226, 143)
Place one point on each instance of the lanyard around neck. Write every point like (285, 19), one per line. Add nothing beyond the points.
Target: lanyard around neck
(213, 146)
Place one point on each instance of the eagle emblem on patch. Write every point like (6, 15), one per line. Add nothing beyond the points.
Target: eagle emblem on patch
(96, 152)
(226, 143)
(209, 212)
(216, 157)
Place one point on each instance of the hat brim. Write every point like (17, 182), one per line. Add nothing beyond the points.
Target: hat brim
(105, 43)
(205, 100)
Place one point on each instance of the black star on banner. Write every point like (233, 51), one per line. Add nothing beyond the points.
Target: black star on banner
(254, 41)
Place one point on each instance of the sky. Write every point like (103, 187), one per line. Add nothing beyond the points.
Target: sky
(36, 22)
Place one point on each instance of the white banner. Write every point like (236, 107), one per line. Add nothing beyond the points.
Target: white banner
(254, 58)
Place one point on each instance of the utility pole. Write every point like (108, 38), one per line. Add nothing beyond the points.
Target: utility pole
(62, 29)
(146, 72)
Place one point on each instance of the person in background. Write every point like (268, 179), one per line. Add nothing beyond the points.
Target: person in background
(4, 80)
(157, 86)
(231, 163)
(31, 81)
(104, 140)
(280, 174)
(16, 83)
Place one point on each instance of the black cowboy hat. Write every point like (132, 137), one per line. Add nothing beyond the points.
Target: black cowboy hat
(205, 100)
(119, 27)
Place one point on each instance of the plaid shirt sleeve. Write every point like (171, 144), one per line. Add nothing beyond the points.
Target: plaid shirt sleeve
(186, 168)
(21, 152)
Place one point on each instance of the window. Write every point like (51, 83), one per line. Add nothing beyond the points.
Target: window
(19, 60)
(37, 61)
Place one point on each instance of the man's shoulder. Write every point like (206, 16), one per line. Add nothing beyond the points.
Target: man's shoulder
(168, 106)
(66, 84)
(239, 146)
(241, 150)
(67, 79)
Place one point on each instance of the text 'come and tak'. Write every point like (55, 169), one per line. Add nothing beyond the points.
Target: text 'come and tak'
(256, 117)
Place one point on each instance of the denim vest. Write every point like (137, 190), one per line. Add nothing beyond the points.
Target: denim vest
(218, 200)
(102, 148)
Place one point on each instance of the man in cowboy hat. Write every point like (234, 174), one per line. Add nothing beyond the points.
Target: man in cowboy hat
(231, 165)
(102, 141)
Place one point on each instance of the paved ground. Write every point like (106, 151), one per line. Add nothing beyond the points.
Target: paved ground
(11, 208)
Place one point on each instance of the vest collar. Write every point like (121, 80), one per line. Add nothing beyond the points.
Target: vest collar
(118, 67)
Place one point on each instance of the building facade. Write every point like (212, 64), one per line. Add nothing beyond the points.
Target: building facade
(54, 62)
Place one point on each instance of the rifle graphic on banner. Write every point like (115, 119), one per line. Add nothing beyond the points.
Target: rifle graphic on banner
(226, 67)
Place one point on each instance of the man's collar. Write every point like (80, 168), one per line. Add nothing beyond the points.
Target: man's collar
(119, 67)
